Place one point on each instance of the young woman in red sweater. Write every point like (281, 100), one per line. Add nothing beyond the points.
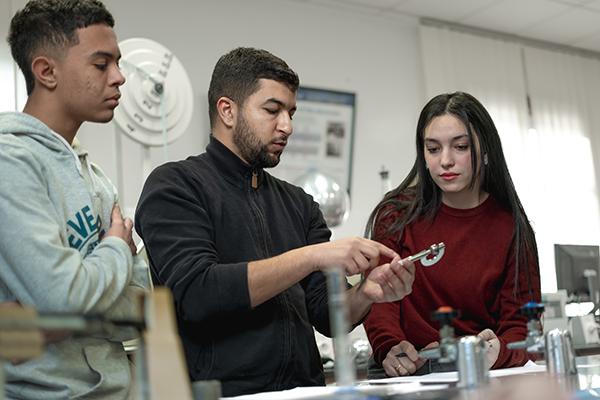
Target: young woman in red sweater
(459, 192)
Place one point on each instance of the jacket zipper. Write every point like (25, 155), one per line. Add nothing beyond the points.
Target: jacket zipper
(280, 298)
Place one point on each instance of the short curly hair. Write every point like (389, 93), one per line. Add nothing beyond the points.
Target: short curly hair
(237, 73)
(49, 27)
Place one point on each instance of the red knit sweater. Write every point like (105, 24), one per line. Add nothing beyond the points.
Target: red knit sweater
(475, 276)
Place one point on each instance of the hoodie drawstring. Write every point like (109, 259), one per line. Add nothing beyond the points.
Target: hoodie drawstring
(95, 187)
(97, 192)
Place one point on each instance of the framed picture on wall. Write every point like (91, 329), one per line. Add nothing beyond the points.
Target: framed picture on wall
(323, 137)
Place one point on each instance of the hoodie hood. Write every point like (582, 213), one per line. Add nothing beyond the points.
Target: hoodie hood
(30, 128)
(18, 124)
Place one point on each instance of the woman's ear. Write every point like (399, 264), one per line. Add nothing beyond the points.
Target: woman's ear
(43, 70)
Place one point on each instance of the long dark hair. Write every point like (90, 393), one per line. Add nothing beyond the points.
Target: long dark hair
(419, 196)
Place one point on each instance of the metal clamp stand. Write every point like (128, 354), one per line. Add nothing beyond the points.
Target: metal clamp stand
(446, 351)
(534, 342)
(556, 344)
(468, 352)
(471, 363)
(339, 315)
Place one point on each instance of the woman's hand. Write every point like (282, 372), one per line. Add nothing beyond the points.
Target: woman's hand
(492, 346)
(403, 359)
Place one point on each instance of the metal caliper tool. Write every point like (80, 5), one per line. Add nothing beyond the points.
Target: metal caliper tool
(437, 250)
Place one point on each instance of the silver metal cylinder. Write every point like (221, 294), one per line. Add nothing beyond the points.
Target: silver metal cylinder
(471, 362)
(560, 354)
(207, 390)
(339, 316)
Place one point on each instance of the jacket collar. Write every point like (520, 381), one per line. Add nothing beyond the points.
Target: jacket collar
(231, 167)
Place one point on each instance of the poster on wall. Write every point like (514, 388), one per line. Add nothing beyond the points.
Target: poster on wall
(322, 138)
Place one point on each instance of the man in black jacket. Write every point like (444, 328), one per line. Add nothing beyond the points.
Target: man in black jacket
(242, 251)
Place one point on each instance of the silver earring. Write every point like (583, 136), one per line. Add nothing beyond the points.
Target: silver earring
(427, 167)
(485, 161)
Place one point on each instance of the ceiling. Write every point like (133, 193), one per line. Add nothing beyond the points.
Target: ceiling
(573, 23)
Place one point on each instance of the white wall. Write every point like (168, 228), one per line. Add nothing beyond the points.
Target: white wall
(376, 59)
(7, 83)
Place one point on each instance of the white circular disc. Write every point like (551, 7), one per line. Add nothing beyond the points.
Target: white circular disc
(139, 115)
(430, 261)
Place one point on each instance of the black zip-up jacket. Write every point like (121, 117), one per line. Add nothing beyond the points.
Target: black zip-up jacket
(202, 222)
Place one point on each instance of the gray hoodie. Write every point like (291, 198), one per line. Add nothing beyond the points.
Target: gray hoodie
(54, 207)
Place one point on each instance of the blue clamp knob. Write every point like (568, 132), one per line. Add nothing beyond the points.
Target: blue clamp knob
(531, 310)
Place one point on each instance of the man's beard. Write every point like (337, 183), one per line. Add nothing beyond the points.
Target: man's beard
(251, 148)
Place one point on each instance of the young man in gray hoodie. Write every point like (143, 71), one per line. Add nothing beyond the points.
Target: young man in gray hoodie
(64, 245)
